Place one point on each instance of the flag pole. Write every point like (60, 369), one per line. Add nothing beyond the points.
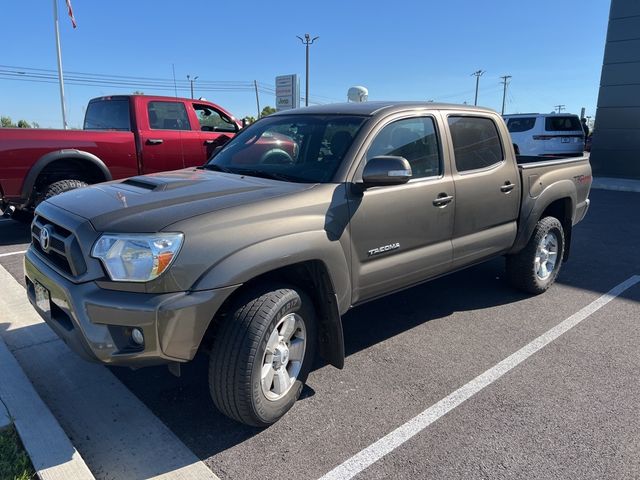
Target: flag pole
(60, 77)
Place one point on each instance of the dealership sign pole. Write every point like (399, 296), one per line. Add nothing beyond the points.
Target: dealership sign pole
(60, 76)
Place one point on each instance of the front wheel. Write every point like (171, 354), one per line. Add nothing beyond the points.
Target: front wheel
(536, 266)
(262, 355)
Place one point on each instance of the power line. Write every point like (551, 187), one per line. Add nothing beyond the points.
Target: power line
(129, 82)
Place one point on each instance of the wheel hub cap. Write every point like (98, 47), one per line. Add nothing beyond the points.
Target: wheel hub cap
(283, 356)
(546, 256)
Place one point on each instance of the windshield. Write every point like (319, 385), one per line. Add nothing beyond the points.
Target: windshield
(297, 148)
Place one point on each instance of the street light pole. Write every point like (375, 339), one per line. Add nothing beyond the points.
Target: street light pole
(191, 80)
(307, 41)
(477, 74)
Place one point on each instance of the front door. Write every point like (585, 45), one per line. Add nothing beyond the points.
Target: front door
(401, 234)
(216, 129)
(168, 142)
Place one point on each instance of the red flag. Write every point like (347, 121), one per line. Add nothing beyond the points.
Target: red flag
(73, 19)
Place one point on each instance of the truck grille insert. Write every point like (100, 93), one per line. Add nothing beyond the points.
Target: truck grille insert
(58, 245)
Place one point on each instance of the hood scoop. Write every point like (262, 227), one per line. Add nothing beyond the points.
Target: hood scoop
(140, 183)
(158, 185)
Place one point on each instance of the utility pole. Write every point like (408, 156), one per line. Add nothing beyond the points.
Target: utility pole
(505, 82)
(307, 41)
(477, 74)
(191, 80)
(560, 108)
(255, 84)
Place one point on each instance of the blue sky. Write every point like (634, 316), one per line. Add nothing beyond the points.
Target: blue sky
(404, 50)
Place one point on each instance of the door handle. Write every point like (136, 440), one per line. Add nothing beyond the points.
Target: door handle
(209, 142)
(507, 187)
(443, 200)
(154, 141)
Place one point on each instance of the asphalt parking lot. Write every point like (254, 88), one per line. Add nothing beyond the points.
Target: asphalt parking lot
(570, 410)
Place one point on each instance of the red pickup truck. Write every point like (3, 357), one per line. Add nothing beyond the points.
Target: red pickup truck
(123, 136)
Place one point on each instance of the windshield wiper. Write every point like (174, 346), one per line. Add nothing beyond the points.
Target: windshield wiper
(262, 174)
(215, 168)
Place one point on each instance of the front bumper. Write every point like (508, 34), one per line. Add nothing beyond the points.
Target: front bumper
(96, 323)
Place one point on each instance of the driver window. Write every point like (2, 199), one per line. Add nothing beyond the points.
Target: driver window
(414, 139)
(212, 121)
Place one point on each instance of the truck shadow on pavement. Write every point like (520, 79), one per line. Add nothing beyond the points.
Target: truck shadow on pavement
(14, 233)
(185, 406)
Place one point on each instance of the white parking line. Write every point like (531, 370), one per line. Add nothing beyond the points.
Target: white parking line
(12, 253)
(400, 435)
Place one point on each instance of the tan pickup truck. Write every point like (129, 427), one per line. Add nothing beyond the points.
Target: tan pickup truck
(254, 258)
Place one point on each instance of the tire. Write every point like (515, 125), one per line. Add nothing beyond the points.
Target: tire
(532, 270)
(62, 186)
(245, 347)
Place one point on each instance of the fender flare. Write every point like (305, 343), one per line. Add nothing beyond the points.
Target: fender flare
(48, 158)
(554, 192)
(263, 257)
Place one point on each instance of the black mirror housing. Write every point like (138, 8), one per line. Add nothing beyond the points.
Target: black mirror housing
(386, 170)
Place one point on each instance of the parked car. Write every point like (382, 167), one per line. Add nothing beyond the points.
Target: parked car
(546, 134)
(124, 135)
(255, 262)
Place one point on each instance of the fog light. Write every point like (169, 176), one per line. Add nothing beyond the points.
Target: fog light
(136, 336)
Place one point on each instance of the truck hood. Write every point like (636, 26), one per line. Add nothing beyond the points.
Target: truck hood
(149, 203)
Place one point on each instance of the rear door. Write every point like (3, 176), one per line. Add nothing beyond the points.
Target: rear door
(167, 139)
(563, 134)
(401, 234)
(487, 187)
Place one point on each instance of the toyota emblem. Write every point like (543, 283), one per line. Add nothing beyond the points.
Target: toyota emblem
(45, 238)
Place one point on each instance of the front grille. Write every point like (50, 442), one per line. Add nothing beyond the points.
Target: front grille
(63, 250)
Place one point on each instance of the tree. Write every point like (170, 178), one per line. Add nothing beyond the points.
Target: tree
(138, 92)
(267, 111)
(23, 124)
(6, 122)
(249, 119)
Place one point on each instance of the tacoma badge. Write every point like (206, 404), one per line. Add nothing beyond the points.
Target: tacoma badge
(385, 248)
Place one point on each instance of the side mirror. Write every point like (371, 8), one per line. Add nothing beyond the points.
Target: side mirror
(386, 170)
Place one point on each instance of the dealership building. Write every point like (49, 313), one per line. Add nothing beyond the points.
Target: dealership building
(616, 141)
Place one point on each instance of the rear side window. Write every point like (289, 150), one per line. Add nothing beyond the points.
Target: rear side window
(562, 124)
(476, 143)
(108, 115)
(521, 124)
(168, 116)
(414, 139)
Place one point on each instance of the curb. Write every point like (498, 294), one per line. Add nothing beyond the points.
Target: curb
(51, 452)
(616, 184)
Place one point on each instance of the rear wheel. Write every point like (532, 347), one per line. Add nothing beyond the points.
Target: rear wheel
(262, 355)
(536, 266)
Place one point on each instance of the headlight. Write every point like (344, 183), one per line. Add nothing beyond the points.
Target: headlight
(137, 257)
